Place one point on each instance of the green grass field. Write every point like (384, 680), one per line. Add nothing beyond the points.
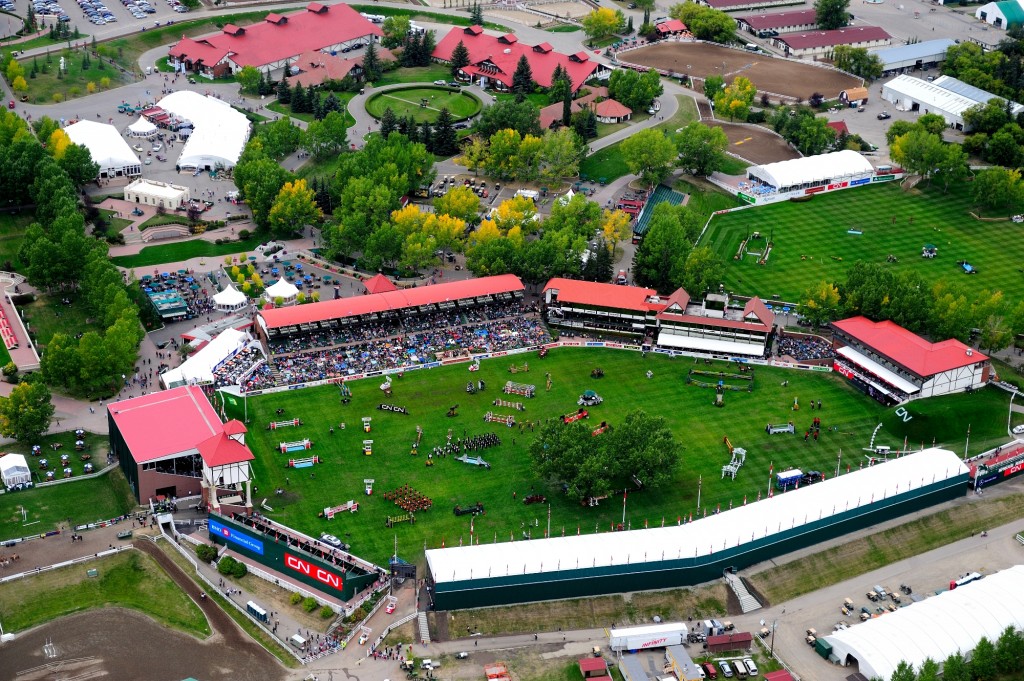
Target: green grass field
(129, 580)
(812, 243)
(408, 102)
(47, 87)
(698, 427)
(183, 250)
(83, 501)
(46, 316)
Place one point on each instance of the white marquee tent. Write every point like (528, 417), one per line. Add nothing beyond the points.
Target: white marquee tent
(199, 367)
(107, 147)
(219, 135)
(14, 469)
(282, 289)
(812, 170)
(142, 128)
(230, 299)
(953, 621)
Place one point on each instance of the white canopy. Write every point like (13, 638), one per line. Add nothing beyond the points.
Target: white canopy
(199, 367)
(813, 170)
(954, 621)
(142, 128)
(104, 143)
(14, 469)
(220, 131)
(229, 299)
(281, 289)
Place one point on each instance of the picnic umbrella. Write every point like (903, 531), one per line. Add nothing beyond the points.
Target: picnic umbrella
(769, 307)
(589, 393)
(189, 279)
(252, 257)
(165, 274)
(785, 309)
(182, 272)
(299, 266)
(273, 270)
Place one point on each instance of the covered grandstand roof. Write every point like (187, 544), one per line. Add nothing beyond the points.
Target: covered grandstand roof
(812, 169)
(220, 132)
(603, 295)
(953, 621)
(199, 367)
(165, 423)
(390, 300)
(702, 537)
(907, 348)
(661, 194)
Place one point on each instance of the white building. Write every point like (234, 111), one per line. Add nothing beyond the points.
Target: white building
(1002, 14)
(810, 172)
(142, 128)
(951, 622)
(158, 194)
(14, 470)
(913, 57)
(945, 96)
(219, 131)
(107, 148)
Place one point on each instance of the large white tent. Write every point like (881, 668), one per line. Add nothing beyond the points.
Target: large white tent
(14, 470)
(952, 622)
(230, 299)
(199, 367)
(219, 135)
(142, 128)
(812, 171)
(107, 147)
(282, 289)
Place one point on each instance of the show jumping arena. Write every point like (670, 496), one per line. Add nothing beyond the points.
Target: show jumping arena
(792, 79)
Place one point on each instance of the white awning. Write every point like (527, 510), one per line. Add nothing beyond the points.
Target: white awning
(709, 345)
(230, 297)
(14, 470)
(199, 367)
(281, 289)
(877, 369)
(142, 128)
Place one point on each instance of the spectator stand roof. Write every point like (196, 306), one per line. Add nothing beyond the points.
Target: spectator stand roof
(661, 194)
(907, 349)
(220, 132)
(104, 143)
(702, 538)
(200, 366)
(392, 300)
(165, 424)
(907, 55)
(951, 622)
(796, 172)
(608, 296)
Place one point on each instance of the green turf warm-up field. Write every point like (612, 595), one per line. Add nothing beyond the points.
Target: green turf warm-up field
(812, 242)
(424, 103)
(699, 429)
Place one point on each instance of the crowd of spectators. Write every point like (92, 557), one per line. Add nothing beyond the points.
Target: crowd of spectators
(804, 348)
(231, 371)
(422, 339)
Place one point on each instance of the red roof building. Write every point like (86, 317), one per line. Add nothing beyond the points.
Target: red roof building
(594, 669)
(894, 365)
(276, 41)
(596, 99)
(315, 67)
(812, 43)
(287, 320)
(494, 59)
(782, 22)
(670, 27)
(839, 127)
(172, 444)
(780, 675)
(378, 283)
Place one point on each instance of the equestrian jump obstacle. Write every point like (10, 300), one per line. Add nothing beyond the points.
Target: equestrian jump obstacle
(368, 447)
(518, 406)
(395, 520)
(274, 425)
(473, 461)
(303, 463)
(739, 457)
(522, 369)
(600, 429)
(777, 428)
(572, 418)
(368, 485)
(350, 506)
(491, 417)
(297, 446)
(524, 389)
(366, 423)
(720, 384)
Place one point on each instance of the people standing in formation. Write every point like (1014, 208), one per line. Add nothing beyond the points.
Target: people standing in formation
(469, 444)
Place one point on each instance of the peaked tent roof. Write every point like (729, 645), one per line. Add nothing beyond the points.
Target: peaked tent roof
(220, 131)
(142, 127)
(797, 171)
(1013, 11)
(14, 465)
(230, 296)
(378, 283)
(281, 289)
(907, 348)
(104, 142)
(201, 365)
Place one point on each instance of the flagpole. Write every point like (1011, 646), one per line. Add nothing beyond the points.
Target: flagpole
(839, 463)
(549, 521)
(968, 442)
(699, 483)
(624, 506)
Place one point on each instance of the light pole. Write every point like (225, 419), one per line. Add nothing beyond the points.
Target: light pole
(775, 625)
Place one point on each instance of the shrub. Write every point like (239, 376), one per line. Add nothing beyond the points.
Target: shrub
(239, 569)
(310, 604)
(295, 598)
(326, 612)
(226, 566)
(10, 372)
(244, 234)
(206, 553)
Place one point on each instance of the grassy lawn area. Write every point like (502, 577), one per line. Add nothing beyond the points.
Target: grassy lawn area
(414, 14)
(84, 501)
(415, 74)
(854, 558)
(734, 166)
(38, 41)
(705, 198)
(165, 219)
(812, 243)
(47, 88)
(114, 223)
(46, 315)
(12, 235)
(130, 579)
(408, 102)
(698, 431)
(183, 250)
(563, 28)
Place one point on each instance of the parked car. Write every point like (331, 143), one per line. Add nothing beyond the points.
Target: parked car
(331, 539)
(390, 609)
(440, 82)
(884, 115)
(363, 638)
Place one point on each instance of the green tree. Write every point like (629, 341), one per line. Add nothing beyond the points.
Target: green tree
(522, 78)
(702, 270)
(280, 137)
(704, 22)
(293, 208)
(701, 148)
(249, 78)
(326, 138)
(635, 90)
(508, 114)
(712, 86)
(60, 364)
(476, 14)
(660, 259)
(383, 248)
(649, 154)
(561, 85)
(1009, 650)
(445, 139)
(988, 117)
(928, 671)
(904, 671)
(603, 22)
(284, 90)
(983, 660)
(371, 63)
(813, 136)
(78, 164)
(25, 415)
(955, 668)
(734, 101)
(996, 187)
(460, 58)
(459, 202)
(821, 303)
(857, 60)
(952, 312)
(561, 154)
(951, 166)
(388, 122)
(263, 181)
(932, 123)
(395, 30)
(831, 14)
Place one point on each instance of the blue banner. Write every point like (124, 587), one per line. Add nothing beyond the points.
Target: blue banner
(237, 537)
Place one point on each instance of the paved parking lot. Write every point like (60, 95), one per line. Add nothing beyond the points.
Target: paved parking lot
(123, 22)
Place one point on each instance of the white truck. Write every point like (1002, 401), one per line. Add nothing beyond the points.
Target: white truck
(649, 636)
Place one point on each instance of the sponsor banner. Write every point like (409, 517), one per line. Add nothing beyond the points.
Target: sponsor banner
(392, 408)
(883, 178)
(746, 198)
(498, 354)
(309, 569)
(234, 536)
(594, 344)
(371, 374)
(1013, 470)
(814, 190)
(857, 183)
(838, 185)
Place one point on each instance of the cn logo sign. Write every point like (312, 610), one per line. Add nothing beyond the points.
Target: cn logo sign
(308, 569)
(903, 414)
